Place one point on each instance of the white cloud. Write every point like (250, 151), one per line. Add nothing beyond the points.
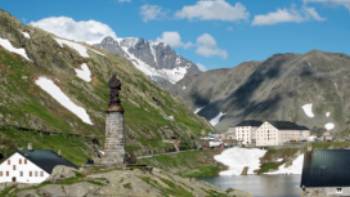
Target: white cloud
(152, 12)
(173, 39)
(345, 3)
(207, 47)
(291, 15)
(214, 10)
(89, 31)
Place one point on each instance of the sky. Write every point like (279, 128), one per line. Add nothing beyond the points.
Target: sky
(211, 33)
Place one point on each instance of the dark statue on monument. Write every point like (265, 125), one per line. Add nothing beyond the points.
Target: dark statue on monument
(114, 99)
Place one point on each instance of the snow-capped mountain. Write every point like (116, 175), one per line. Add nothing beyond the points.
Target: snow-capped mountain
(157, 60)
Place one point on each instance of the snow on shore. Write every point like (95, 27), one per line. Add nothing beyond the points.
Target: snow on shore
(56, 93)
(308, 110)
(236, 159)
(82, 50)
(295, 168)
(8, 46)
(216, 119)
(83, 72)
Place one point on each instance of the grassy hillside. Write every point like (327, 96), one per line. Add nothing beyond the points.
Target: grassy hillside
(23, 104)
(201, 163)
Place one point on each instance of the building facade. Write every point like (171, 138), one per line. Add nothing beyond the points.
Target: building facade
(268, 133)
(244, 132)
(275, 133)
(30, 166)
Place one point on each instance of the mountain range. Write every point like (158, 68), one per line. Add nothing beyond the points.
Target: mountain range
(54, 91)
(309, 89)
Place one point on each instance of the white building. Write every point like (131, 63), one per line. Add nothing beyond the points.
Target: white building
(30, 166)
(276, 133)
(244, 132)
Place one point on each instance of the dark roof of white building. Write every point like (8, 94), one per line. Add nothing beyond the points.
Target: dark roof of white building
(326, 168)
(287, 125)
(253, 123)
(281, 125)
(45, 159)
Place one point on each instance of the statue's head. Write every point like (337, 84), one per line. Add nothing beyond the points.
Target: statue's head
(114, 82)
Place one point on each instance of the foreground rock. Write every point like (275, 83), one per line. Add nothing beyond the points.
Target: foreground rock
(125, 183)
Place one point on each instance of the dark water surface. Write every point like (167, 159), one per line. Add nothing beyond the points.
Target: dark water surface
(261, 186)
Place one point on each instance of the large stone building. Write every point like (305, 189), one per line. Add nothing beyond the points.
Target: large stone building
(276, 133)
(114, 152)
(244, 132)
(326, 173)
(268, 133)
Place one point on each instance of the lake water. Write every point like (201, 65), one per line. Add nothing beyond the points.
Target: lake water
(261, 186)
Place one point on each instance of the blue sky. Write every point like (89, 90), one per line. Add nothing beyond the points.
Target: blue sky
(215, 33)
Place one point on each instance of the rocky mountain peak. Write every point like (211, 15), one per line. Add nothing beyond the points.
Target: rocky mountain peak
(155, 59)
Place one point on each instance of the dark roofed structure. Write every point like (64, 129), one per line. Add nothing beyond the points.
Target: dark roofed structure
(46, 159)
(286, 125)
(326, 168)
(253, 123)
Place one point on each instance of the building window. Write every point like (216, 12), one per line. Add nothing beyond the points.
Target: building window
(1, 173)
(7, 173)
(41, 173)
(339, 190)
(14, 167)
(25, 161)
(21, 173)
(20, 161)
(30, 173)
(9, 162)
(36, 173)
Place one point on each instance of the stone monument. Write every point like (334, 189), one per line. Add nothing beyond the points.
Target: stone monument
(114, 152)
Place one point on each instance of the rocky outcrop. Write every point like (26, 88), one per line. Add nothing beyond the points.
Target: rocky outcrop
(62, 172)
(133, 183)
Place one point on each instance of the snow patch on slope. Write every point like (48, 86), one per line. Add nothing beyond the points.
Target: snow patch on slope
(26, 34)
(329, 126)
(236, 159)
(56, 93)
(308, 110)
(82, 50)
(153, 51)
(295, 168)
(216, 119)
(8, 46)
(197, 110)
(83, 72)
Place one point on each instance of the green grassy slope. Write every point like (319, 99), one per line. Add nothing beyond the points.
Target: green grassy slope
(23, 104)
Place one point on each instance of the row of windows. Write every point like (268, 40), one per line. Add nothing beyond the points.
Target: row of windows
(20, 161)
(21, 174)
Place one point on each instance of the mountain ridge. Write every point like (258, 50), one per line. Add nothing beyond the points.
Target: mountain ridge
(272, 87)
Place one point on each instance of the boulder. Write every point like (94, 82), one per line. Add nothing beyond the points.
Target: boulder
(62, 172)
